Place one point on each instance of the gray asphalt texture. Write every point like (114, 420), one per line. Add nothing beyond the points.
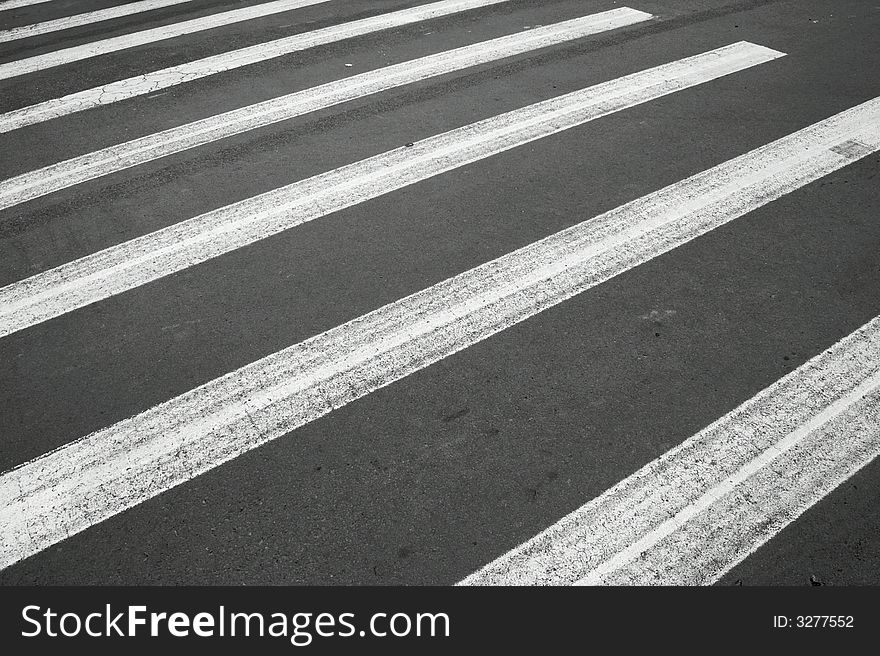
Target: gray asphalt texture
(434, 476)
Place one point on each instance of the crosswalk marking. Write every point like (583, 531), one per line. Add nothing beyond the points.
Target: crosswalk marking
(68, 22)
(152, 256)
(691, 515)
(102, 474)
(34, 184)
(125, 41)
(148, 83)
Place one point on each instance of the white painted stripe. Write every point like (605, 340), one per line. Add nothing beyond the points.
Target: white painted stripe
(152, 256)
(102, 474)
(16, 4)
(34, 184)
(144, 37)
(730, 521)
(691, 515)
(87, 18)
(168, 77)
(235, 58)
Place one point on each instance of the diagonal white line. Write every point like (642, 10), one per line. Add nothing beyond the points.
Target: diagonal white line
(102, 474)
(731, 520)
(152, 256)
(16, 4)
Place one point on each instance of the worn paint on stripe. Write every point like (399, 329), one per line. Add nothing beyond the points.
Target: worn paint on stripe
(41, 182)
(151, 82)
(144, 37)
(102, 474)
(152, 256)
(694, 513)
(87, 18)
(16, 4)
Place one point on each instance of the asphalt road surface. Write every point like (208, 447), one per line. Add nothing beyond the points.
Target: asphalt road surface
(259, 356)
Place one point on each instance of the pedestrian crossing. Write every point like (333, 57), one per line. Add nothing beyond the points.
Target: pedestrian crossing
(87, 18)
(153, 81)
(147, 258)
(109, 160)
(233, 59)
(679, 520)
(144, 37)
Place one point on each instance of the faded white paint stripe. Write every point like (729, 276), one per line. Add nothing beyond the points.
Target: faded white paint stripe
(150, 82)
(698, 510)
(736, 517)
(102, 474)
(78, 20)
(152, 256)
(168, 77)
(15, 4)
(40, 182)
